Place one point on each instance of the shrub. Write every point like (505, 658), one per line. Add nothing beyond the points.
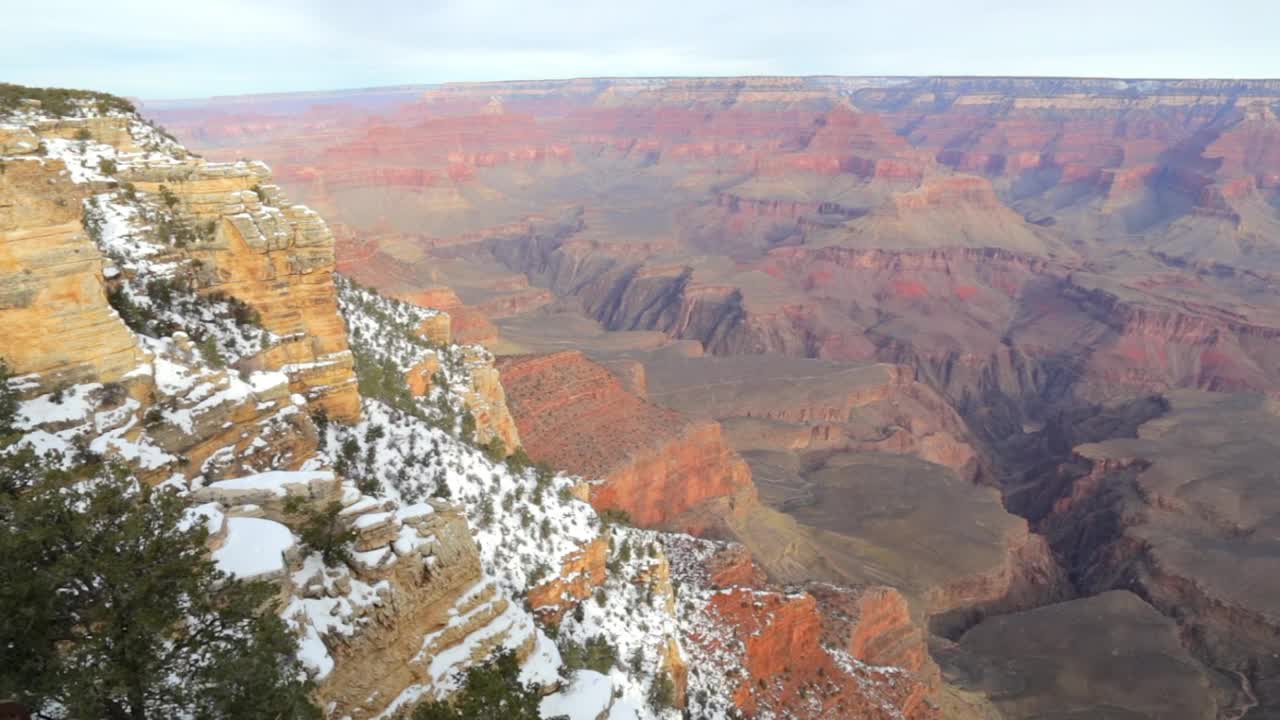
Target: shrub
(107, 166)
(209, 351)
(495, 449)
(133, 315)
(492, 691)
(8, 402)
(321, 420)
(596, 654)
(168, 197)
(662, 694)
(615, 516)
(60, 101)
(518, 461)
(468, 432)
(323, 531)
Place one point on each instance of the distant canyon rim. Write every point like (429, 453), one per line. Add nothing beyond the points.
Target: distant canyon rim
(1008, 345)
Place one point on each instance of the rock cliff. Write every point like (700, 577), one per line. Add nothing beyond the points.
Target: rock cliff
(54, 300)
(652, 463)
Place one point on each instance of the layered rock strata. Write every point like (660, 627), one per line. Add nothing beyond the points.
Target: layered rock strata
(652, 463)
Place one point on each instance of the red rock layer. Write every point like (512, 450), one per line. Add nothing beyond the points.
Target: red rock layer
(652, 462)
(786, 667)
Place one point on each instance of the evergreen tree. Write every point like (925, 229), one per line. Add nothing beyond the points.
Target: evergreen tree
(323, 531)
(111, 608)
(8, 402)
(492, 691)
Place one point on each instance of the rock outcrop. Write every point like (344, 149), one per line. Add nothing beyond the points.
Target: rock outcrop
(467, 325)
(272, 255)
(651, 463)
(52, 291)
(811, 652)
(580, 574)
(486, 398)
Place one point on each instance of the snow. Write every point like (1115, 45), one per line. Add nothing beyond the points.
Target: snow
(587, 697)
(44, 442)
(510, 629)
(81, 157)
(313, 654)
(368, 520)
(414, 512)
(263, 381)
(209, 514)
(73, 406)
(171, 377)
(274, 482)
(363, 505)
(254, 547)
(626, 709)
(543, 664)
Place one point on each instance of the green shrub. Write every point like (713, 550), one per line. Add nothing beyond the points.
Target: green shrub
(518, 461)
(60, 101)
(8, 402)
(495, 449)
(492, 691)
(323, 531)
(209, 351)
(662, 694)
(162, 634)
(615, 516)
(596, 654)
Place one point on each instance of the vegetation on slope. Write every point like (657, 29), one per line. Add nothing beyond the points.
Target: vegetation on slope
(61, 101)
(492, 691)
(111, 607)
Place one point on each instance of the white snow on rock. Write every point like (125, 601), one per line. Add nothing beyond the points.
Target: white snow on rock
(275, 483)
(254, 548)
(587, 697)
(209, 514)
(71, 405)
(542, 667)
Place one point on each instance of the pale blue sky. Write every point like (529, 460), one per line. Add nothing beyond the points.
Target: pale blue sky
(183, 48)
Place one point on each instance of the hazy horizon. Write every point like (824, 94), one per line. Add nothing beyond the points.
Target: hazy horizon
(163, 50)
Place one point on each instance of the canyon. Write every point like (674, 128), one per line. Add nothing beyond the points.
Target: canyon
(182, 317)
(1009, 346)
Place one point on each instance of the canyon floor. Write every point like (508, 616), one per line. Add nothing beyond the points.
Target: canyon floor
(1010, 346)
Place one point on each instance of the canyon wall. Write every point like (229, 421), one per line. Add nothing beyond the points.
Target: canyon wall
(651, 463)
